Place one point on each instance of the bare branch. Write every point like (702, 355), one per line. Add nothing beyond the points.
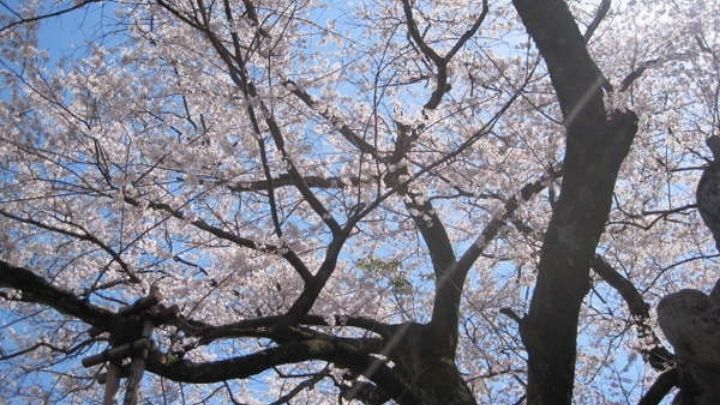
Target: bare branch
(469, 33)
(660, 388)
(440, 62)
(35, 18)
(600, 14)
(307, 384)
(652, 348)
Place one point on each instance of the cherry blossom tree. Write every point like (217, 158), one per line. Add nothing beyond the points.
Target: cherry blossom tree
(415, 202)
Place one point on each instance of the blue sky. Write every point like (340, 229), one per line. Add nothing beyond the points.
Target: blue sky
(67, 35)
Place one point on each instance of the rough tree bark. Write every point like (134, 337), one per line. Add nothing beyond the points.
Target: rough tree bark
(597, 143)
(690, 320)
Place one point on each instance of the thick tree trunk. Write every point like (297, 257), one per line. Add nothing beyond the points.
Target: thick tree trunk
(429, 367)
(596, 147)
(550, 329)
(689, 320)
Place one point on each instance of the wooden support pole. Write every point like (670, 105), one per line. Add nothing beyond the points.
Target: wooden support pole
(137, 367)
(138, 349)
(117, 353)
(102, 378)
(112, 383)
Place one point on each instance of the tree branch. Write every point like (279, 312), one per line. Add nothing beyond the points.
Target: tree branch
(600, 14)
(330, 116)
(294, 352)
(35, 289)
(284, 180)
(660, 388)
(35, 18)
(450, 284)
(652, 348)
(440, 62)
(287, 254)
